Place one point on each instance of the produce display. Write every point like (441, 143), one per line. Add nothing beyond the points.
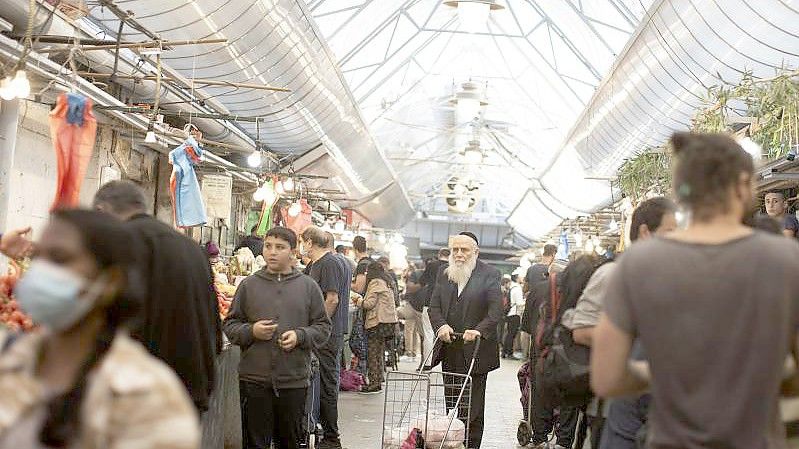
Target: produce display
(10, 314)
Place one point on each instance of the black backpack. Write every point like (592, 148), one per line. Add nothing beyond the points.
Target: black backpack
(563, 366)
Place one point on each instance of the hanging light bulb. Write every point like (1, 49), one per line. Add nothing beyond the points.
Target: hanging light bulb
(589, 246)
(270, 196)
(21, 86)
(259, 194)
(613, 225)
(279, 189)
(295, 209)
(398, 239)
(382, 239)
(150, 137)
(340, 226)
(288, 184)
(6, 91)
(254, 160)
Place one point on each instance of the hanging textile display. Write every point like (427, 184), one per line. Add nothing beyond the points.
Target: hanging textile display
(73, 129)
(298, 218)
(267, 194)
(187, 201)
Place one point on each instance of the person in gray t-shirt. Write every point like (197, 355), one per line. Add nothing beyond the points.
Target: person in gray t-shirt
(654, 217)
(716, 331)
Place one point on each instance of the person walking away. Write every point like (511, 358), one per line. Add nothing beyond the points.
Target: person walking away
(381, 321)
(429, 280)
(624, 416)
(467, 300)
(777, 208)
(685, 306)
(358, 342)
(179, 320)
(538, 271)
(252, 241)
(328, 270)
(82, 382)
(277, 318)
(513, 319)
(415, 302)
(344, 252)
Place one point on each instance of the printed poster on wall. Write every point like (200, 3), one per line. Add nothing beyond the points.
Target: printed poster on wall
(218, 194)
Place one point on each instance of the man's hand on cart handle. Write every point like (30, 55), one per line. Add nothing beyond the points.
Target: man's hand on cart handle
(471, 335)
(445, 333)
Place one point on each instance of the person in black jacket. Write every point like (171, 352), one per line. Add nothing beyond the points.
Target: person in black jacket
(179, 320)
(467, 300)
(252, 241)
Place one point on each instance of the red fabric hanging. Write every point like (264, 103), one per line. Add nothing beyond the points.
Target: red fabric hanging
(73, 129)
(301, 221)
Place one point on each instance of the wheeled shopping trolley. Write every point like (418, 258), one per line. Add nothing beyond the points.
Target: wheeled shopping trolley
(433, 406)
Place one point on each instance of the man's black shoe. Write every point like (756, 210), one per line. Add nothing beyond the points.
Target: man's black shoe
(329, 444)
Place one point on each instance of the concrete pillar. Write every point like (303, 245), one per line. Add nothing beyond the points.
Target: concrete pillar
(9, 122)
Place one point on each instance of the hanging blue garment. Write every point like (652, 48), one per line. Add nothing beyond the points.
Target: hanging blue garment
(187, 201)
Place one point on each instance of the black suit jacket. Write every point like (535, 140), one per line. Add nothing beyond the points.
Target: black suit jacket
(482, 301)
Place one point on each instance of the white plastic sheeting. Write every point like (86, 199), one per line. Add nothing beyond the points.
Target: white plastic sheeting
(681, 48)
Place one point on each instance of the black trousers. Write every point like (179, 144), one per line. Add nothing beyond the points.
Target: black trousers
(513, 323)
(329, 356)
(455, 362)
(269, 416)
(544, 421)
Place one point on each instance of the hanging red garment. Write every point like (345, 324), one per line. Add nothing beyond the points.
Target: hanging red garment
(301, 221)
(73, 129)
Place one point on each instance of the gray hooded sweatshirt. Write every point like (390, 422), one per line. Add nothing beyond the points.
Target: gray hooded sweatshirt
(294, 302)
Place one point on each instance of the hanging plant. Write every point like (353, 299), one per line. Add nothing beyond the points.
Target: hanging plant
(645, 174)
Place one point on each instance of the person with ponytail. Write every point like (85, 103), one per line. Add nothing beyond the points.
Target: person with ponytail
(79, 381)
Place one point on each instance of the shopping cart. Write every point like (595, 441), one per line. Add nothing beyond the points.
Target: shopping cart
(435, 405)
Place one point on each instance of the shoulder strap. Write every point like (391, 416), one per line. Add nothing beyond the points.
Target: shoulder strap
(554, 298)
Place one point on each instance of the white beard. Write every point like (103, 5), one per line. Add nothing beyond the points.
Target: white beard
(458, 272)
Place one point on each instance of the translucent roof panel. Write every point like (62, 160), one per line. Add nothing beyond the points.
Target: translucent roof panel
(536, 65)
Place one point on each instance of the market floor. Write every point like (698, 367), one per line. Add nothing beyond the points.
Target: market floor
(361, 416)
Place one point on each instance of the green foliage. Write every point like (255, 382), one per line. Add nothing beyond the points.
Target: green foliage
(647, 172)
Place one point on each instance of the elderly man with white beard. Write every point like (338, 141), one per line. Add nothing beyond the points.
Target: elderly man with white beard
(467, 300)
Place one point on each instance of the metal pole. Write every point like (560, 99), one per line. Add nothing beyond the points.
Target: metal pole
(206, 82)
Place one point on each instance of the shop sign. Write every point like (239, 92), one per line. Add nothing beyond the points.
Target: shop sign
(217, 193)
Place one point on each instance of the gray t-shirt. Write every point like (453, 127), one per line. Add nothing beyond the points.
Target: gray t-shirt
(715, 322)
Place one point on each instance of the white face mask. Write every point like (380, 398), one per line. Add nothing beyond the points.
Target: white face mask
(51, 296)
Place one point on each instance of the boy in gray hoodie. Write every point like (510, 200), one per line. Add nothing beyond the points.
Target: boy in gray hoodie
(277, 317)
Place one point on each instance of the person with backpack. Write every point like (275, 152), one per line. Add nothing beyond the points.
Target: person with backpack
(653, 217)
(556, 386)
(717, 332)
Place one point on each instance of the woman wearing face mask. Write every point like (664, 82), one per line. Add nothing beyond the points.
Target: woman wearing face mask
(80, 382)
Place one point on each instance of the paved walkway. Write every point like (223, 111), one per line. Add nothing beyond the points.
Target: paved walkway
(361, 416)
